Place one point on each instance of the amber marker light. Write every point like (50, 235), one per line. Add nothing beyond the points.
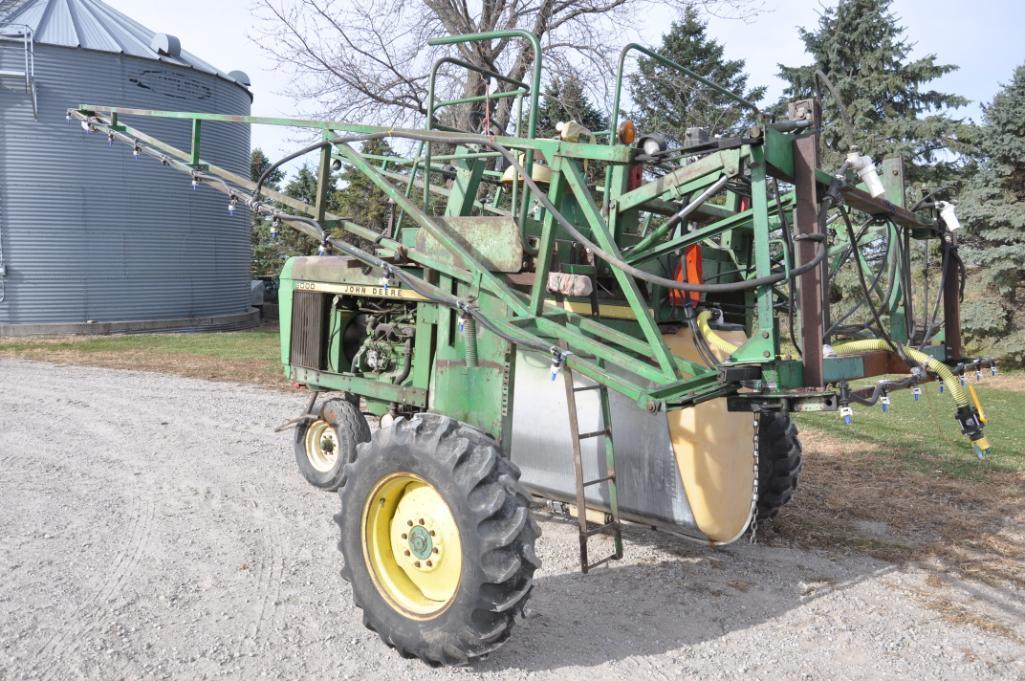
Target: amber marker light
(627, 132)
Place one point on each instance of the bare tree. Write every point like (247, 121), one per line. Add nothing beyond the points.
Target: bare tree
(368, 60)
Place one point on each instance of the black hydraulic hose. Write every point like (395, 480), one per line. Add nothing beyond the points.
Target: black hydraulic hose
(837, 324)
(841, 107)
(791, 283)
(282, 161)
(899, 350)
(931, 319)
(849, 249)
(865, 290)
(911, 325)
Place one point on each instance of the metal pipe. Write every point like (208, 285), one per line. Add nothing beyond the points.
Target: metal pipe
(681, 215)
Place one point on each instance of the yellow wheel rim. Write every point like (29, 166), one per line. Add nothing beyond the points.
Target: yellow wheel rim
(411, 546)
(322, 446)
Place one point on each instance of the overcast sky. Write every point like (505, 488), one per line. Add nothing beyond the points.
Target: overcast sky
(982, 37)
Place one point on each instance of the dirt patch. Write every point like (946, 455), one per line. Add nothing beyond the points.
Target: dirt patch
(1013, 381)
(860, 497)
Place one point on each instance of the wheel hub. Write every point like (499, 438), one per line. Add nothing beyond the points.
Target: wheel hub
(420, 543)
(412, 545)
(322, 445)
(420, 538)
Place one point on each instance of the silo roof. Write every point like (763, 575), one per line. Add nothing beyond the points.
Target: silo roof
(92, 25)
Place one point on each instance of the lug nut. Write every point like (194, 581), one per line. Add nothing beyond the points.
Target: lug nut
(433, 533)
(410, 523)
(421, 521)
(405, 536)
(429, 564)
(406, 552)
(417, 563)
(435, 549)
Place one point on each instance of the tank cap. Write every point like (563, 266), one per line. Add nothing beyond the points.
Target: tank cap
(240, 77)
(166, 45)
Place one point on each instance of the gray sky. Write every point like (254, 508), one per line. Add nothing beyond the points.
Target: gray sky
(983, 37)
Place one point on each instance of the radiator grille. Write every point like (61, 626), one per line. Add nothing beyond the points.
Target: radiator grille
(309, 329)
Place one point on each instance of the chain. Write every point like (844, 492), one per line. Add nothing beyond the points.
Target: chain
(754, 499)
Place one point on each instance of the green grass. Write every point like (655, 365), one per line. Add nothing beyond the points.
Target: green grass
(259, 344)
(926, 435)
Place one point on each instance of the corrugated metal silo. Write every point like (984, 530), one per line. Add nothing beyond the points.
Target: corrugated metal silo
(92, 239)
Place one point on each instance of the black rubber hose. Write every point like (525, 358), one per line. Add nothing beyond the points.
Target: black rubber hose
(875, 313)
(841, 107)
(857, 306)
(791, 284)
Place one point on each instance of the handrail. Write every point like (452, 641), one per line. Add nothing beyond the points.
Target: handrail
(535, 83)
(432, 106)
(535, 92)
(614, 118)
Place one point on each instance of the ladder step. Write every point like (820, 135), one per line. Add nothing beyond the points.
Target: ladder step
(596, 433)
(591, 531)
(599, 480)
(596, 386)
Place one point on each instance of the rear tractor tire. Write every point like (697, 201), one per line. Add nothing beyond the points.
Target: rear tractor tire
(324, 445)
(437, 539)
(779, 463)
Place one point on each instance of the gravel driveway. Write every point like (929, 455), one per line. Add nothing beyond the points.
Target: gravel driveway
(155, 527)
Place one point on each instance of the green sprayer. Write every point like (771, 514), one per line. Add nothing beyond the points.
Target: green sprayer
(599, 320)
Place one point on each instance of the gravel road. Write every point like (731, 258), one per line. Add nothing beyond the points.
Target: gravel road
(155, 527)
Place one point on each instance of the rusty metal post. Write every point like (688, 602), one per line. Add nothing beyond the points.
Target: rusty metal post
(811, 284)
(951, 300)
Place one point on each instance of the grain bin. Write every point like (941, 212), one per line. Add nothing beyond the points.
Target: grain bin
(92, 239)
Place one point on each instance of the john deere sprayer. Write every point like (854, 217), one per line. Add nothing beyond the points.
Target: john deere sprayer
(600, 319)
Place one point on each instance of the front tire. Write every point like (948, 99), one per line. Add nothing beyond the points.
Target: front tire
(325, 444)
(437, 539)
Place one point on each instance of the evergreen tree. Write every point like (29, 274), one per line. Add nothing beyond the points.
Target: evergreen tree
(669, 102)
(993, 213)
(266, 258)
(862, 49)
(258, 164)
(565, 99)
(360, 200)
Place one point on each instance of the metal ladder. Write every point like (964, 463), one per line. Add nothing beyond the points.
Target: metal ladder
(21, 36)
(612, 522)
